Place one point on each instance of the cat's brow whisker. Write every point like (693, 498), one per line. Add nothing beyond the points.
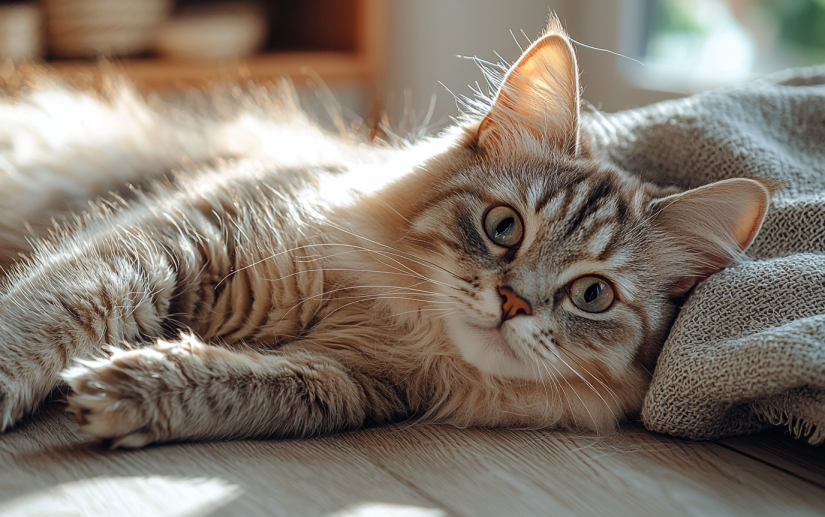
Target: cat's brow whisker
(403, 266)
(396, 212)
(353, 247)
(414, 259)
(421, 241)
(389, 256)
(348, 232)
(425, 262)
(414, 273)
(353, 270)
(332, 291)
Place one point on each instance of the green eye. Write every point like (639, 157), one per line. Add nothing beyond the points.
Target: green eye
(591, 294)
(503, 226)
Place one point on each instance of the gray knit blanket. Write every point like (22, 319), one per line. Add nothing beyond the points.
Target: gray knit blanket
(748, 349)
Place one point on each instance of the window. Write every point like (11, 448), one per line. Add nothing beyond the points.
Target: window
(690, 45)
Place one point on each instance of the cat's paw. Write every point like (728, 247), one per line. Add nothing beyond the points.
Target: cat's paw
(120, 398)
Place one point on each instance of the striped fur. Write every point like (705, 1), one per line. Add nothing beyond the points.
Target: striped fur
(295, 294)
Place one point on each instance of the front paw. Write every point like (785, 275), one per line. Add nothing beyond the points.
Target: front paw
(119, 398)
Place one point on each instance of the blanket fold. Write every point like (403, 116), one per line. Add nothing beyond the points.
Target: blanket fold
(748, 348)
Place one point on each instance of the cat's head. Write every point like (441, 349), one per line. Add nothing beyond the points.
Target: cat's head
(560, 265)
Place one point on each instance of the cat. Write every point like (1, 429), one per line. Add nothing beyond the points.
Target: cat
(500, 274)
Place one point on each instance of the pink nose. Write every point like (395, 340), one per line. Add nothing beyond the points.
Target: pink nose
(513, 304)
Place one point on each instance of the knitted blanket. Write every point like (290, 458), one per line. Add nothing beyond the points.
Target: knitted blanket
(748, 349)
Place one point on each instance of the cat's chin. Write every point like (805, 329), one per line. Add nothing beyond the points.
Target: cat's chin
(487, 349)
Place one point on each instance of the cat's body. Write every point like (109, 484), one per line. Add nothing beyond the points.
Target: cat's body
(330, 285)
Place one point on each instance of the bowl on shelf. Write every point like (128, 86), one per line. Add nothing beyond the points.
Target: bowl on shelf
(217, 32)
(89, 28)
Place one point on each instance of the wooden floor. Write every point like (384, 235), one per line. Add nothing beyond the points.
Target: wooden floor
(48, 470)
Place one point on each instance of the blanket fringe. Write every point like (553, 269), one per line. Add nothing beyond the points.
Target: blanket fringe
(797, 426)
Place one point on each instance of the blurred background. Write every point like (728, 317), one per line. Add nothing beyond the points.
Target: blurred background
(392, 55)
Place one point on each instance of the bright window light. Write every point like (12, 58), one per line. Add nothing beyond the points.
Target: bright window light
(695, 44)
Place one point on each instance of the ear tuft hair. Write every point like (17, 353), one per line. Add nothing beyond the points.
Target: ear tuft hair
(538, 100)
(714, 224)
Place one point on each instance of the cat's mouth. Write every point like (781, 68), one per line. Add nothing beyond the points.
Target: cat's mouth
(491, 348)
(494, 338)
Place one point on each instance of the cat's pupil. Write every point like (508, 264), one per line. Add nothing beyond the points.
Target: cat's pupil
(504, 225)
(592, 292)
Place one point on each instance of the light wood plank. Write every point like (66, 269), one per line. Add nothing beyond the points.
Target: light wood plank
(417, 471)
(499, 472)
(779, 449)
(46, 469)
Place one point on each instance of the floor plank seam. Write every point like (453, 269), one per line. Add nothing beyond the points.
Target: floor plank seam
(418, 490)
(764, 462)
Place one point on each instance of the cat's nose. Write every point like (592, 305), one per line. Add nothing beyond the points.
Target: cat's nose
(513, 305)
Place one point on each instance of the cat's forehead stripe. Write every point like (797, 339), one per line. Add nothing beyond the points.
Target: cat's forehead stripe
(535, 193)
(580, 194)
(458, 191)
(551, 207)
(599, 240)
(638, 200)
(604, 214)
(597, 196)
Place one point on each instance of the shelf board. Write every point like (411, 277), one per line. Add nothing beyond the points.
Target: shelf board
(159, 73)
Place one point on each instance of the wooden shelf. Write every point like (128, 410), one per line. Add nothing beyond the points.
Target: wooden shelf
(339, 40)
(159, 73)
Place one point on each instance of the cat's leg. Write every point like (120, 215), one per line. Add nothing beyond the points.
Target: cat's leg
(108, 284)
(187, 390)
(196, 257)
(68, 309)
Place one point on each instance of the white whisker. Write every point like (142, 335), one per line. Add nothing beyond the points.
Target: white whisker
(586, 408)
(580, 376)
(573, 357)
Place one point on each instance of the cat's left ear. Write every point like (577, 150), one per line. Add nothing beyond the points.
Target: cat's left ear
(712, 225)
(538, 99)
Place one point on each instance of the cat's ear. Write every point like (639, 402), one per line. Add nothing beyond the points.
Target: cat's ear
(713, 224)
(539, 97)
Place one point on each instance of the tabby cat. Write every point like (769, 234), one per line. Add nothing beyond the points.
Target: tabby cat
(501, 274)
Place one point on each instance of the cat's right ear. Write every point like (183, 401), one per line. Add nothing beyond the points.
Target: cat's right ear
(712, 225)
(538, 101)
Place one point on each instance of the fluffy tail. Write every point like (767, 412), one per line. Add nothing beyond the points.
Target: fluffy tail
(61, 147)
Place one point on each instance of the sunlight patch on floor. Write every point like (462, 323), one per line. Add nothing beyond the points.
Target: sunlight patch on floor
(161, 496)
(371, 509)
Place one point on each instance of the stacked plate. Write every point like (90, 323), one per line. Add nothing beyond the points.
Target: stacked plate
(89, 28)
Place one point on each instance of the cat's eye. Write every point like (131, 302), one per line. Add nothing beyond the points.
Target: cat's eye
(592, 294)
(503, 226)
